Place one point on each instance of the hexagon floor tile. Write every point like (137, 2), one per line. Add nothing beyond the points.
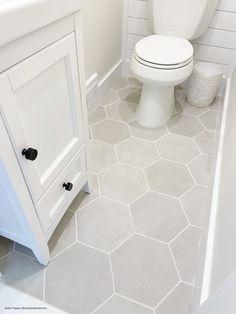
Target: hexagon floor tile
(137, 152)
(177, 148)
(130, 94)
(120, 305)
(205, 141)
(23, 273)
(185, 249)
(181, 106)
(147, 134)
(110, 98)
(209, 119)
(158, 216)
(184, 125)
(138, 204)
(110, 132)
(98, 115)
(102, 156)
(194, 204)
(179, 301)
(79, 280)
(122, 183)
(104, 224)
(200, 169)
(122, 111)
(143, 270)
(169, 178)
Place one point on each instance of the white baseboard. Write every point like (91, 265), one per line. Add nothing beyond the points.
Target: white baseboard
(96, 90)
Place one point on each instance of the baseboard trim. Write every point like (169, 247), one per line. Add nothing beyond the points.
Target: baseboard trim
(96, 90)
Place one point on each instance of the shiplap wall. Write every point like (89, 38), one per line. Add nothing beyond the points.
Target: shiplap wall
(217, 45)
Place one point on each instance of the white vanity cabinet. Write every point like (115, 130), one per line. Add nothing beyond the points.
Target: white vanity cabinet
(42, 104)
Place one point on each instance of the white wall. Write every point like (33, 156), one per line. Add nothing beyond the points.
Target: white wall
(216, 46)
(102, 32)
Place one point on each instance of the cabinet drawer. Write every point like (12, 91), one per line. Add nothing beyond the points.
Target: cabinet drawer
(57, 199)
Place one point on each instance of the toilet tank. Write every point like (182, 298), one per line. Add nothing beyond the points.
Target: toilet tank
(187, 19)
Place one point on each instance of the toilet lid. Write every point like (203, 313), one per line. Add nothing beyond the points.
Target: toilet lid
(164, 50)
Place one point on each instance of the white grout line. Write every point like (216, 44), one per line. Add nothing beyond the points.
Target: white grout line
(112, 274)
(174, 261)
(101, 305)
(152, 239)
(179, 234)
(63, 251)
(169, 293)
(134, 301)
(122, 243)
(92, 247)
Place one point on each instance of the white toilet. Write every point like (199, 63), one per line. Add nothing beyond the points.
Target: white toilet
(165, 60)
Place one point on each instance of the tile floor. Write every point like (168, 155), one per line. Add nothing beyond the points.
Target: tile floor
(131, 246)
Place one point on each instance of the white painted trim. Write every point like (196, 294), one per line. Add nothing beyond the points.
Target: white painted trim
(92, 90)
(103, 85)
(212, 227)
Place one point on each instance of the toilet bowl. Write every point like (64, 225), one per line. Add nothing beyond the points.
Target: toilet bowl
(160, 63)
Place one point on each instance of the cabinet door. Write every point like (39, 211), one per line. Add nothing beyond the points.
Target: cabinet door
(40, 103)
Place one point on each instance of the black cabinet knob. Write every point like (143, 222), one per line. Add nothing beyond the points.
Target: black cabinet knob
(68, 186)
(30, 153)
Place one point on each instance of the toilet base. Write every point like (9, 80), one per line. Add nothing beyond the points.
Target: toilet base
(156, 106)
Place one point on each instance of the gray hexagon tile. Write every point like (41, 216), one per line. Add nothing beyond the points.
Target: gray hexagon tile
(101, 156)
(200, 169)
(120, 305)
(195, 204)
(134, 82)
(121, 84)
(177, 148)
(130, 94)
(23, 273)
(179, 301)
(84, 198)
(143, 270)
(122, 111)
(104, 224)
(64, 235)
(181, 106)
(147, 134)
(123, 183)
(184, 125)
(158, 216)
(79, 280)
(110, 132)
(209, 119)
(169, 178)
(6, 246)
(137, 152)
(110, 98)
(98, 115)
(205, 141)
(185, 249)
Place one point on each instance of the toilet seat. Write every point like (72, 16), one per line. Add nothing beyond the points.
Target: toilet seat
(161, 66)
(163, 52)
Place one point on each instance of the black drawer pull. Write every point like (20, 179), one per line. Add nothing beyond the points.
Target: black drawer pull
(68, 186)
(30, 153)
